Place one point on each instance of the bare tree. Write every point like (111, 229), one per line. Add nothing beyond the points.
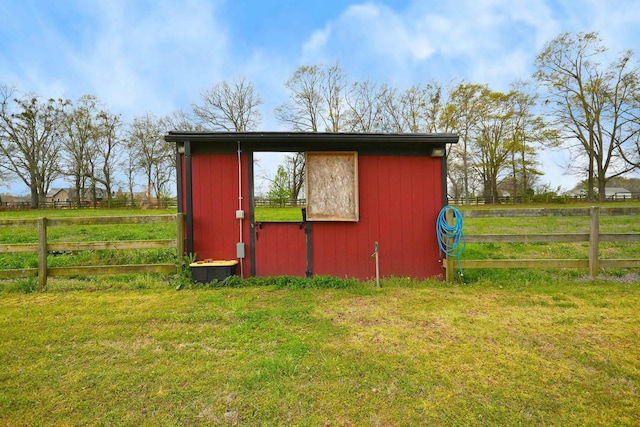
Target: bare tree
(364, 107)
(304, 109)
(29, 139)
(332, 88)
(597, 105)
(316, 99)
(78, 141)
(152, 154)
(181, 120)
(392, 114)
(107, 152)
(230, 107)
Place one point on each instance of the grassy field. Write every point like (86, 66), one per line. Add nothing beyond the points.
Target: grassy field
(554, 351)
(84, 233)
(497, 348)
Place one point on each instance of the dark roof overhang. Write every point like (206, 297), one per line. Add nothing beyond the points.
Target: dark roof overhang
(387, 143)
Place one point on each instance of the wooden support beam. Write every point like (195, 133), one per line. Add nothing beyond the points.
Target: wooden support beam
(42, 253)
(594, 240)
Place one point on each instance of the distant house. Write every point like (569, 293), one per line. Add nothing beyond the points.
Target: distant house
(68, 196)
(58, 195)
(617, 193)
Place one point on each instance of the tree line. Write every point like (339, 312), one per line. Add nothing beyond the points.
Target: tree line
(575, 101)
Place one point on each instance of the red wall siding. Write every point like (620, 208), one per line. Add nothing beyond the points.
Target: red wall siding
(400, 198)
(215, 201)
(281, 249)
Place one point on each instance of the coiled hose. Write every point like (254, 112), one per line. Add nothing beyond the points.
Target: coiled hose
(451, 240)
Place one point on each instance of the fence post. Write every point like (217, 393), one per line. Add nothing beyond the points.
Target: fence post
(42, 253)
(594, 240)
(449, 260)
(180, 235)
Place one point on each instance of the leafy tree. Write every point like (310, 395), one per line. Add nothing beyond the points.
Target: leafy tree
(294, 165)
(529, 131)
(30, 139)
(492, 148)
(461, 114)
(230, 107)
(596, 104)
(279, 191)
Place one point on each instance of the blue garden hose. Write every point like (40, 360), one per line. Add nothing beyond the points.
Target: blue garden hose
(451, 239)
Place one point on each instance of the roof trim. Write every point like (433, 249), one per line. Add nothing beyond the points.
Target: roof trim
(420, 144)
(282, 137)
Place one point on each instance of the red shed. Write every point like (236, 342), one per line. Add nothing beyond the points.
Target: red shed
(361, 189)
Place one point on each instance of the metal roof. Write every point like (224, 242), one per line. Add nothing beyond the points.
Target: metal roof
(410, 143)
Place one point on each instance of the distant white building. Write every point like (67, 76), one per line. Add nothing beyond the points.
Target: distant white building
(617, 193)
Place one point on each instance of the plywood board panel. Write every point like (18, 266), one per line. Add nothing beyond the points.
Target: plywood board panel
(332, 186)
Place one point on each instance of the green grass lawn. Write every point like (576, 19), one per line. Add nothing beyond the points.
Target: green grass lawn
(85, 233)
(564, 351)
(498, 347)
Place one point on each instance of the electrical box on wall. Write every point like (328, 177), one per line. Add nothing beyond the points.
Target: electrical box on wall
(240, 250)
(239, 214)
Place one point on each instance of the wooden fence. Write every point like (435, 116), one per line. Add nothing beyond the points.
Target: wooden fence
(43, 247)
(594, 237)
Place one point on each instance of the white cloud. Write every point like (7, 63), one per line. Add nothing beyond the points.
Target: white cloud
(148, 58)
(156, 56)
(495, 40)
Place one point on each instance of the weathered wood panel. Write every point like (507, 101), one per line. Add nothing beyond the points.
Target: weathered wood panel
(112, 245)
(619, 237)
(537, 212)
(112, 220)
(19, 247)
(17, 273)
(332, 186)
(620, 263)
(525, 263)
(18, 222)
(527, 238)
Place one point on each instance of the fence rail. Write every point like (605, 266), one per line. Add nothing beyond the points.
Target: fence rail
(594, 237)
(43, 247)
(538, 198)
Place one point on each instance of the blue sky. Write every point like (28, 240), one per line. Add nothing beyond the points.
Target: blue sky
(156, 56)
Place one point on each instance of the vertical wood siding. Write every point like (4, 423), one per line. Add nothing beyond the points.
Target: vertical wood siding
(215, 201)
(281, 249)
(400, 198)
